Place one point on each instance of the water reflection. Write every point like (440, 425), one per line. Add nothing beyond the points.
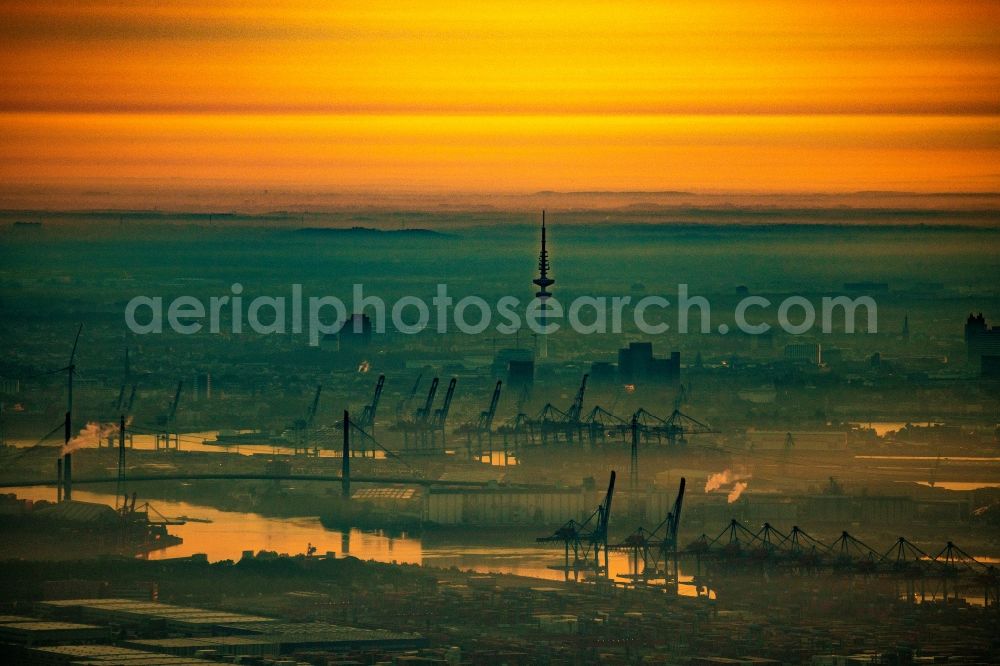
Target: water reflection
(225, 535)
(497, 458)
(882, 428)
(960, 485)
(195, 441)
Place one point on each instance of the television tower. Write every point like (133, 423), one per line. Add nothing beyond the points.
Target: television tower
(543, 281)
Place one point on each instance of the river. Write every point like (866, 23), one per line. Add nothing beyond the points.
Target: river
(231, 533)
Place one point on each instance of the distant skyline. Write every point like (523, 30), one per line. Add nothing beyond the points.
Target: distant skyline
(431, 97)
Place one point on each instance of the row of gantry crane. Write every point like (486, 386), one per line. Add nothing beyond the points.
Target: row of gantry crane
(427, 426)
(653, 553)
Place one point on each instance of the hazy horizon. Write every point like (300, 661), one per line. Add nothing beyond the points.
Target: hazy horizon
(427, 97)
(872, 207)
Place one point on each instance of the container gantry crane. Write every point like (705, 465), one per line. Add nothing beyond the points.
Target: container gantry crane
(587, 541)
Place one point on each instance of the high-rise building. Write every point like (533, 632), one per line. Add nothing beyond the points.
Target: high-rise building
(203, 386)
(980, 339)
(804, 352)
(356, 333)
(990, 366)
(636, 364)
(603, 373)
(520, 374)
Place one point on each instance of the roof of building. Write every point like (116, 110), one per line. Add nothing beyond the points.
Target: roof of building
(72, 511)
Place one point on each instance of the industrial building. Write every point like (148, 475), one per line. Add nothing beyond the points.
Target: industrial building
(32, 631)
(981, 340)
(490, 507)
(804, 352)
(355, 333)
(520, 374)
(636, 364)
(77, 631)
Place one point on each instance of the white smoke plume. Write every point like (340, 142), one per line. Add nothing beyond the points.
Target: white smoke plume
(716, 481)
(92, 434)
(726, 478)
(737, 490)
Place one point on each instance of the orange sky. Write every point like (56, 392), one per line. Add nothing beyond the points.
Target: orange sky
(508, 96)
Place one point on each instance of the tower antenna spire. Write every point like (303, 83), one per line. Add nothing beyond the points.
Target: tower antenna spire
(543, 282)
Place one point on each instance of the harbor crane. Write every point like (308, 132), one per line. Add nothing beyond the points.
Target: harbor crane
(123, 407)
(517, 426)
(167, 438)
(601, 424)
(427, 421)
(675, 429)
(483, 426)
(423, 413)
(304, 427)
(586, 541)
(655, 550)
(367, 420)
(440, 417)
(553, 421)
(404, 403)
(942, 576)
(365, 424)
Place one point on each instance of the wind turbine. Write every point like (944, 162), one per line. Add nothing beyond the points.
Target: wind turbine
(67, 466)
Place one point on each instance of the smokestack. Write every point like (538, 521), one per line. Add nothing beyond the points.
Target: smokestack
(345, 465)
(59, 479)
(120, 490)
(68, 477)
(67, 457)
(67, 467)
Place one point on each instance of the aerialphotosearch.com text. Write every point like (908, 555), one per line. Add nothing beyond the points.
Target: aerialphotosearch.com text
(316, 316)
